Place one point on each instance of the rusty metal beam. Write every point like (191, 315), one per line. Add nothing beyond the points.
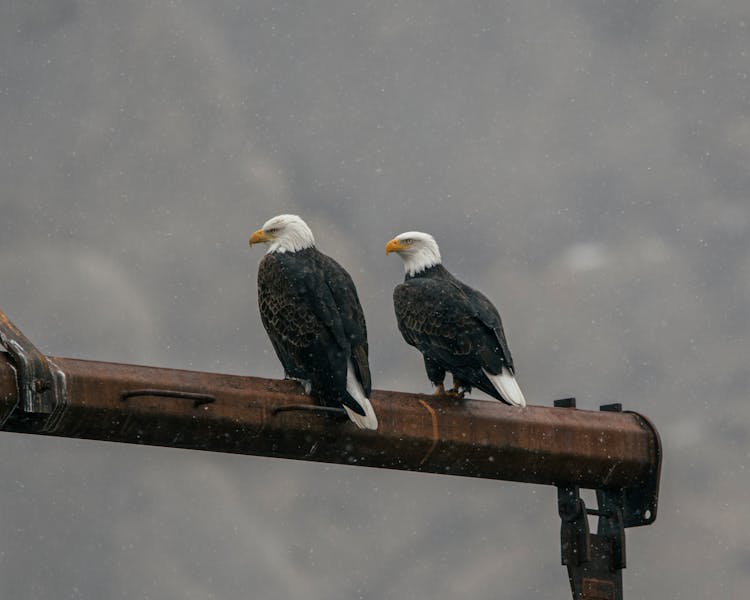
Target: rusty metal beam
(230, 413)
(617, 454)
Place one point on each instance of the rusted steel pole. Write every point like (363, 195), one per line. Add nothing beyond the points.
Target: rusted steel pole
(230, 413)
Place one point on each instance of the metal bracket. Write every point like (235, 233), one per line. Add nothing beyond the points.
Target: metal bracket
(40, 391)
(595, 560)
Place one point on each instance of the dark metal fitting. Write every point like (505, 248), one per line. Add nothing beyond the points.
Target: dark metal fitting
(40, 391)
(594, 560)
(565, 403)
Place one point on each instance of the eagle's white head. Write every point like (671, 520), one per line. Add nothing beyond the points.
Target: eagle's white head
(419, 251)
(284, 233)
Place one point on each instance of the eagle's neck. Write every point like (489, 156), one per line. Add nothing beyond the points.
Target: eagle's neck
(292, 241)
(437, 271)
(417, 260)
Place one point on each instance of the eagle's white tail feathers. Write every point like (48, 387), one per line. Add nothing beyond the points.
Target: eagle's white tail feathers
(507, 386)
(369, 420)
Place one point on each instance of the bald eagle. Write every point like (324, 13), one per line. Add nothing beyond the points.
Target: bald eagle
(310, 309)
(455, 327)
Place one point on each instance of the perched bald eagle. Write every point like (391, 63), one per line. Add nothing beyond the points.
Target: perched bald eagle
(454, 326)
(310, 309)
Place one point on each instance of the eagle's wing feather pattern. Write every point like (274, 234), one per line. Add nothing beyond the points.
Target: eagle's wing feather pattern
(300, 323)
(311, 331)
(487, 313)
(440, 319)
(351, 316)
(291, 326)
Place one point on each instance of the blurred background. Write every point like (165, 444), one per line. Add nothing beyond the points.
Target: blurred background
(585, 165)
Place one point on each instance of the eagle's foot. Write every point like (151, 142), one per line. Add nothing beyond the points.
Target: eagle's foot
(306, 384)
(456, 392)
(439, 390)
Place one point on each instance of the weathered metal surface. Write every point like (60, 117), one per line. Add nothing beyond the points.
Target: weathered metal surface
(229, 413)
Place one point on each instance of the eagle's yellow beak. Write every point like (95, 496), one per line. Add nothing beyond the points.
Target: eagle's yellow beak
(395, 246)
(259, 237)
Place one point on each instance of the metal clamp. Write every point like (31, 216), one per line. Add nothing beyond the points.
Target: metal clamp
(40, 391)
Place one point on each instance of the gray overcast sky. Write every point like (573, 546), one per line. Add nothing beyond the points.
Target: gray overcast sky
(584, 164)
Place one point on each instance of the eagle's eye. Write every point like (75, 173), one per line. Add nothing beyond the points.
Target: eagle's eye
(272, 229)
(408, 241)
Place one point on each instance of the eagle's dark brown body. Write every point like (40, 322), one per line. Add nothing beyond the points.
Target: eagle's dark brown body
(455, 327)
(310, 309)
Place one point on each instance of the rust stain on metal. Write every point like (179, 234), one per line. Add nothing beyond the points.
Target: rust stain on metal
(435, 431)
(596, 589)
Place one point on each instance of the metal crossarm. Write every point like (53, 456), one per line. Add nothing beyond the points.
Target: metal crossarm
(616, 453)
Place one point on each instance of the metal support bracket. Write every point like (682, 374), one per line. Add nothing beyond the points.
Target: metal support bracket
(595, 560)
(40, 389)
